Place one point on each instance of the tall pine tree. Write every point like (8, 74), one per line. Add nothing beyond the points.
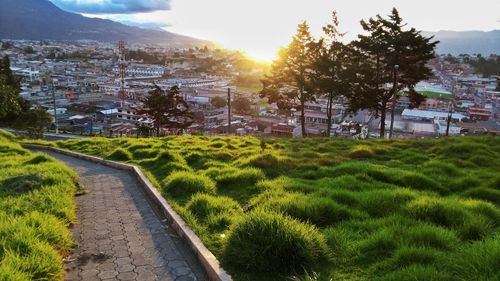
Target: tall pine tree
(329, 68)
(289, 84)
(391, 59)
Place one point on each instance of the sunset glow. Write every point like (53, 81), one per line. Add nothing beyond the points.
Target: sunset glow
(261, 27)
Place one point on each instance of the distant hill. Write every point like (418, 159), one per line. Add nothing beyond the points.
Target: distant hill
(467, 42)
(42, 20)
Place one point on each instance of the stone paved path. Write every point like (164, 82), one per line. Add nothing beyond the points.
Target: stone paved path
(119, 236)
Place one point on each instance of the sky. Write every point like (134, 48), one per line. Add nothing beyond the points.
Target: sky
(261, 27)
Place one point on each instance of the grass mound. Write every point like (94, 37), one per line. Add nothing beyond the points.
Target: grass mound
(185, 184)
(120, 154)
(280, 243)
(319, 211)
(215, 212)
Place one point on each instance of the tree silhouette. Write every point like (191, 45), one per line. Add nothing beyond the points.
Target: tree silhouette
(330, 60)
(390, 59)
(167, 109)
(289, 83)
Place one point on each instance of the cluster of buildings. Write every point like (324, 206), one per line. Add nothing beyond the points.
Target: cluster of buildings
(79, 83)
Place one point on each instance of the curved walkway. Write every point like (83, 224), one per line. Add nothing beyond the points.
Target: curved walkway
(119, 236)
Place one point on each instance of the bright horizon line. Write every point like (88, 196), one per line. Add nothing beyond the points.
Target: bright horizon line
(260, 27)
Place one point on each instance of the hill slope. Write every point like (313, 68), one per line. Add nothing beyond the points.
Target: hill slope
(354, 210)
(41, 20)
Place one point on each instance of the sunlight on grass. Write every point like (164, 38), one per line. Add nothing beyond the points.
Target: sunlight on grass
(321, 209)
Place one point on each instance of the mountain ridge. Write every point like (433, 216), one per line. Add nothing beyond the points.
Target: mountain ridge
(466, 42)
(42, 20)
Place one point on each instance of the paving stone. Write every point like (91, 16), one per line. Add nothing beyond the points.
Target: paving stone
(107, 274)
(127, 275)
(118, 234)
(125, 268)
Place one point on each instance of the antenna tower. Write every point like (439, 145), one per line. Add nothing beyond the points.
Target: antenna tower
(122, 65)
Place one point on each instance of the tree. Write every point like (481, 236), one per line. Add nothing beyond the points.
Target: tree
(7, 45)
(143, 130)
(167, 109)
(10, 100)
(218, 102)
(390, 60)
(330, 60)
(29, 50)
(289, 84)
(242, 105)
(34, 121)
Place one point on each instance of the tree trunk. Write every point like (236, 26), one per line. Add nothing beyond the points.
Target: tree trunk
(394, 101)
(393, 108)
(329, 114)
(382, 120)
(303, 118)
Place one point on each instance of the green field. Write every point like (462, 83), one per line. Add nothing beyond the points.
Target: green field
(36, 207)
(437, 94)
(343, 209)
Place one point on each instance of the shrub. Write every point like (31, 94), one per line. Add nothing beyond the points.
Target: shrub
(120, 154)
(271, 242)
(187, 183)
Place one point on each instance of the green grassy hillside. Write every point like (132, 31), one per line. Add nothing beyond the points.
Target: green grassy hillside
(347, 210)
(36, 206)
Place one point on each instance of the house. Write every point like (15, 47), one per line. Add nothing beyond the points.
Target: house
(479, 114)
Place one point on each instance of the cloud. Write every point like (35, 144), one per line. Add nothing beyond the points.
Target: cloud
(113, 6)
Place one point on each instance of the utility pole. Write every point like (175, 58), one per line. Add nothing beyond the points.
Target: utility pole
(55, 108)
(229, 111)
(395, 92)
(450, 113)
